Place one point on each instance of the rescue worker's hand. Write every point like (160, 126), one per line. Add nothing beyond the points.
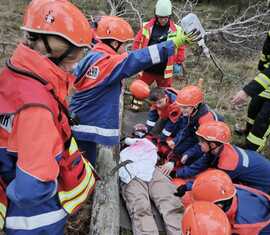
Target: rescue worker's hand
(170, 143)
(167, 168)
(180, 38)
(239, 98)
(184, 159)
(181, 190)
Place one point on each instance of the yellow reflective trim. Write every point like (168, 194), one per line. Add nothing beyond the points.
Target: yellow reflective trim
(73, 146)
(263, 80)
(263, 57)
(3, 209)
(2, 221)
(265, 94)
(72, 204)
(68, 195)
(169, 67)
(266, 65)
(250, 120)
(168, 75)
(255, 140)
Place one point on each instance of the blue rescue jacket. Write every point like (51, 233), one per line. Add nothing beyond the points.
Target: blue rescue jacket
(243, 166)
(98, 88)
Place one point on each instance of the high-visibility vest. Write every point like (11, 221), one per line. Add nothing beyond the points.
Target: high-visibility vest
(146, 33)
(72, 191)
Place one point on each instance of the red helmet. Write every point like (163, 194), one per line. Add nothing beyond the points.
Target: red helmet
(205, 218)
(139, 89)
(139, 130)
(215, 131)
(213, 186)
(190, 96)
(58, 17)
(114, 27)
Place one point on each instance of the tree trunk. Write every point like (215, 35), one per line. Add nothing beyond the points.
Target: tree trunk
(105, 218)
(105, 208)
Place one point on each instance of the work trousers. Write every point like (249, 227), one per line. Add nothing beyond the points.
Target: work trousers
(137, 195)
(258, 123)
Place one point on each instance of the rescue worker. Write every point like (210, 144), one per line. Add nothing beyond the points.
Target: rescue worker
(154, 31)
(163, 109)
(44, 176)
(205, 218)
(243, 166)
(247, 209)
(194, 112)
(142, 182)
(258, 120)
(99, 76)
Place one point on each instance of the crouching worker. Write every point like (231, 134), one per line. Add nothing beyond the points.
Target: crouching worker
(205, 218)
(45, 178)
(247, 209)
(194, 112)
(163, 109)
(141, 182)
(243, 166)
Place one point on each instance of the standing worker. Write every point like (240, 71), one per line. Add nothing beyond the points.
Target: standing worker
(43, 175)
(99, 76)
(154, 31)
(258, 120)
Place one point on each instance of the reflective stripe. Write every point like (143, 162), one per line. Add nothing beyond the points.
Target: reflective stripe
(263, 57)
(96, 130)
(165, 132)
(2, 221)
(150, 123)
(73, 146)
(67, 195)
(255, 140)
(3, 209)
(71, 205)
(250, 120)
(169, 67)
(36, 221)
(154, 54)
(245, 157)
(265, 94)
(215, 115)
(263, 80)
(168, 75)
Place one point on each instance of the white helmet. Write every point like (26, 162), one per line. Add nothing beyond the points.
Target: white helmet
(163, 8)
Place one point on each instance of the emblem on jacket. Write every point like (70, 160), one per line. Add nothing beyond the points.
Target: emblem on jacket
(6, 122)
(93, 72)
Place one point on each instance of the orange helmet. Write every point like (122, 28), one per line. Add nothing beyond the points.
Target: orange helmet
(58, 17)
(215, 131)
(213, 186)
(139, 89)
(190, 96)
(205, 218)
(114, 27)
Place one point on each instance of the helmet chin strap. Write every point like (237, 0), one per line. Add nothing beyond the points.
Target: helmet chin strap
(59, 59)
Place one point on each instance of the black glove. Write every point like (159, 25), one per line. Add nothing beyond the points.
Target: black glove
(181, 190)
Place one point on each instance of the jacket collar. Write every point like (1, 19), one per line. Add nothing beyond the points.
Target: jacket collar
(102, 47)
(25, 58)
